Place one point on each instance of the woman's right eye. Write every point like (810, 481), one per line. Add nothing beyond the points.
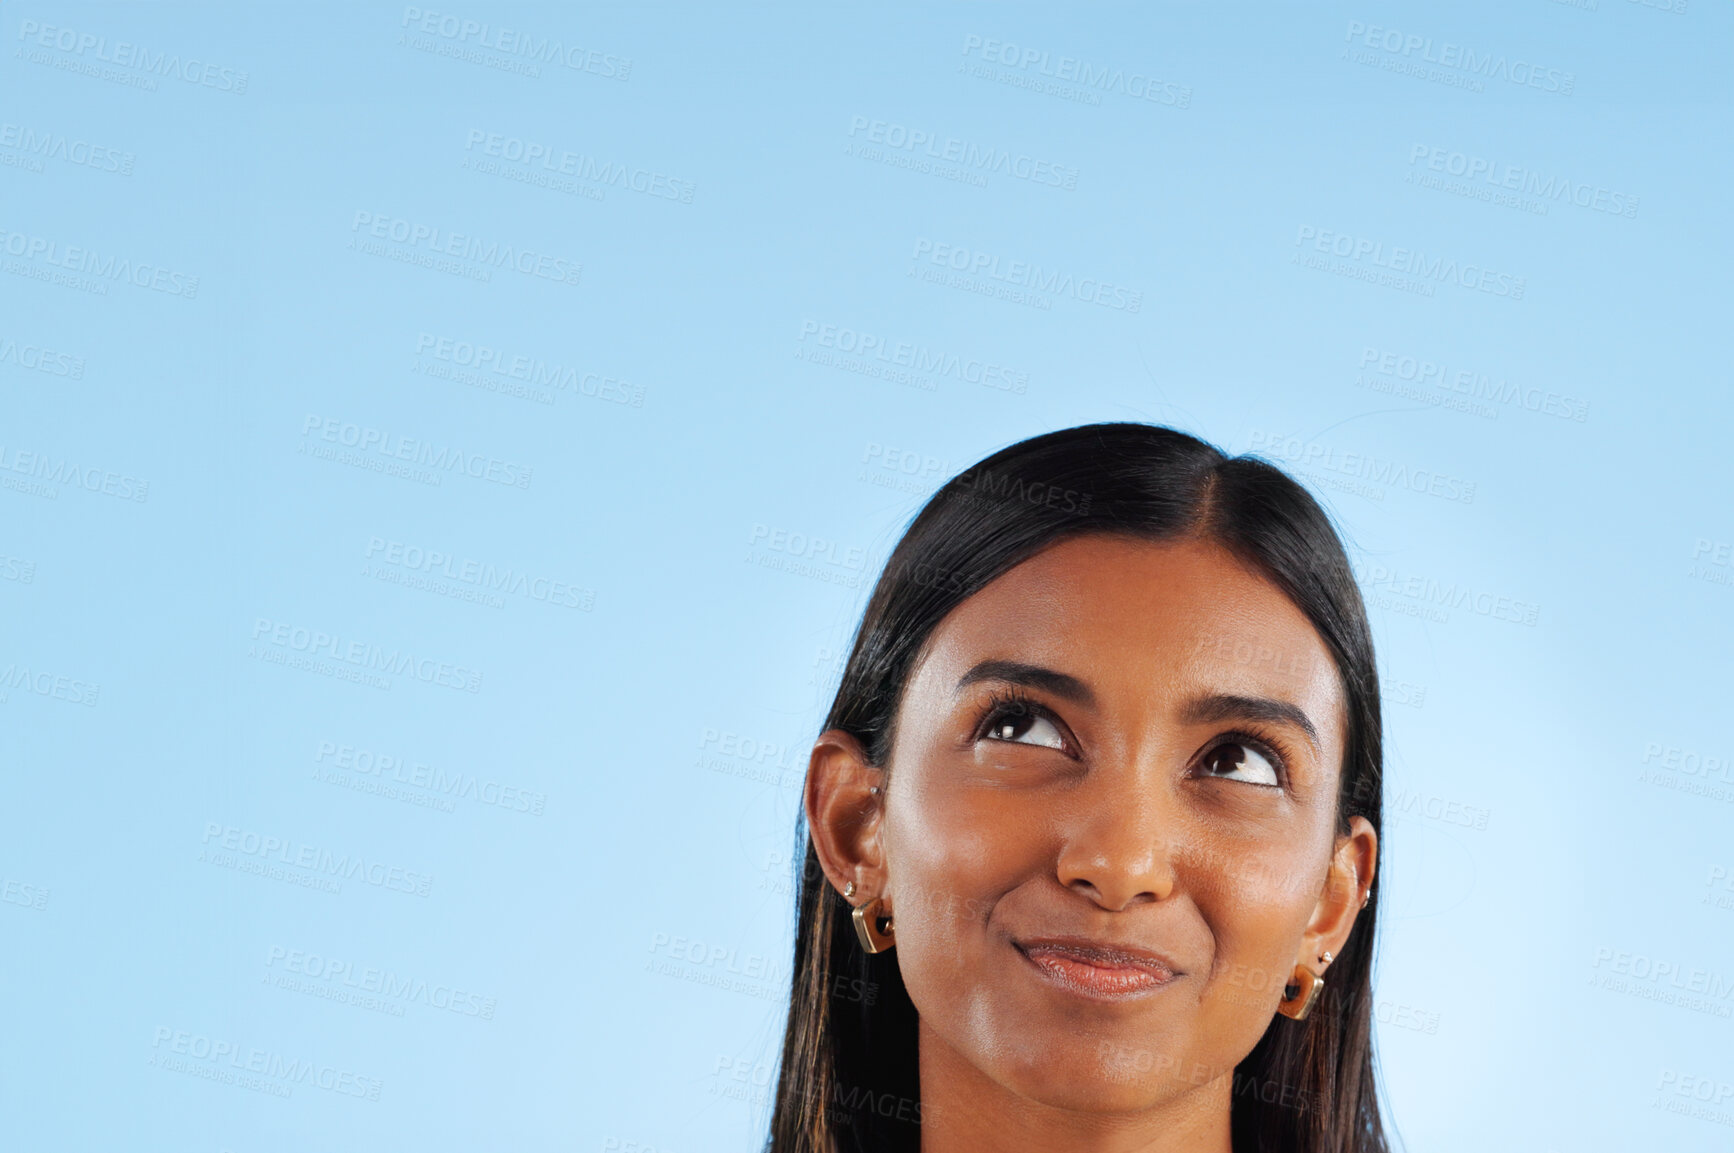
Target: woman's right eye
(1025, 727)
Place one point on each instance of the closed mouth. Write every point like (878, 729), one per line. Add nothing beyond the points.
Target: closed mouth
(1097, 970)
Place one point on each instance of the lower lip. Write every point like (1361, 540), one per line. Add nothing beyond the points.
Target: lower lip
(1113, 982)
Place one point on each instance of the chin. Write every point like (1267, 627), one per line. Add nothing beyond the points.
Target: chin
(1068, 1069)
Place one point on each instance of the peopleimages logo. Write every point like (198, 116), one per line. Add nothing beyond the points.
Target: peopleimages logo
(315, 643)
(50, 471)
(18, 569)
(40, 359)
(972, 156)
(806, 555)
(917, 358)
(349, 976)
(984, 484)
(254, 1068)
(22, 678)
(1515, 178)
(1691, 987)
(536, 372)
(385, 768)
(388, 448)
(429, 240)
(479, 574)
(1658, 754)
(137, 57)
(1412, 50)
(27, 896)
(91, 271)
(1429, 597)
(1092, 79)
(1362, 465)
(579, 165)
(1410, 262)
(516, 42)
(290, 853)
(45, 145)
(1024, 274)
(1400, 368)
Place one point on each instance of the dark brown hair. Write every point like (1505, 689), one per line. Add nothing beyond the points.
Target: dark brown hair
(848, 1076)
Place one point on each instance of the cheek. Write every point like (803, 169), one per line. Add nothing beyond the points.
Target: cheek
(1257, 909)
(946, 842)
(951, 857)
(943, 871)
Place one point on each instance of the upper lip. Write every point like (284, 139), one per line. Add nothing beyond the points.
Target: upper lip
(1104, 954)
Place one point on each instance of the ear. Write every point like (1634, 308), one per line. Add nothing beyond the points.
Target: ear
(1347, 883)
(844, 814)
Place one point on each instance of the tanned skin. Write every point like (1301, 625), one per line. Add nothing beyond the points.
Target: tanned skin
(1106, 837)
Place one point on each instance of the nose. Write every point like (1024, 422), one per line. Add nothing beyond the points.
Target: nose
(1117, 848)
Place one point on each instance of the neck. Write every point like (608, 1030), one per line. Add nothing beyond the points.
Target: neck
(965, 1111)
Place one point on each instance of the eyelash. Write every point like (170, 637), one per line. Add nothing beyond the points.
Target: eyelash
(1013, 702)
(1266, 746)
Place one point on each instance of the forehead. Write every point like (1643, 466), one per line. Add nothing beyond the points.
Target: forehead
(1132, 616)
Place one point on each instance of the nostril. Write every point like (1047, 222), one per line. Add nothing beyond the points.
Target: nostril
(1115, 897)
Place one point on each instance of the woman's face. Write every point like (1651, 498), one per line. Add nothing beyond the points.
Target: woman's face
(1110, 822)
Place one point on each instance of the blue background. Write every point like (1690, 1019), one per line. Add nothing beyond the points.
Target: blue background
(717, 460)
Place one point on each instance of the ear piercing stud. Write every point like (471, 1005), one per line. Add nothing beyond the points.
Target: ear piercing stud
(1325, 959)
(849, 890)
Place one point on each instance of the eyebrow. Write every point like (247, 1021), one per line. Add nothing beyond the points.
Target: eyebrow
(1061, 685)
(1208, 709)
(1227, 706)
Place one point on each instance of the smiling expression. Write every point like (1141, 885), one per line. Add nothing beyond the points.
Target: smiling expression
(1110, 819)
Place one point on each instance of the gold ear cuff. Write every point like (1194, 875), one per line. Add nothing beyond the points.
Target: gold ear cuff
(1299, 994)
(874, 938)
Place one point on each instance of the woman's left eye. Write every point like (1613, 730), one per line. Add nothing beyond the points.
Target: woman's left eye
(1234, 761)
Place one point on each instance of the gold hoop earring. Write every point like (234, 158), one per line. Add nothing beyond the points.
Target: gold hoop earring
(1306, 985)
(873, 938)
